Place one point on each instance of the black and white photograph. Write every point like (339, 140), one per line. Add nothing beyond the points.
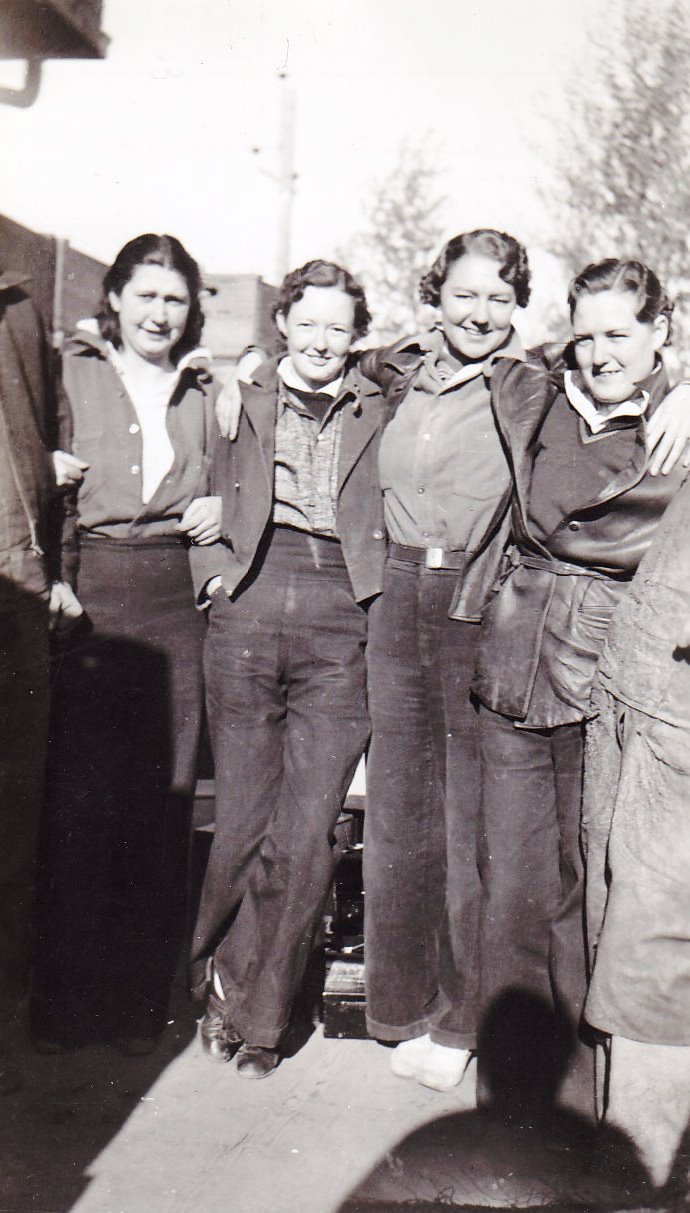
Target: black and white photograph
(344, 606)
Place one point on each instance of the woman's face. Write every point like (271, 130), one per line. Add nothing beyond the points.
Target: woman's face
(614, 350)
(319, 329)
(476, 306)
(152, 309)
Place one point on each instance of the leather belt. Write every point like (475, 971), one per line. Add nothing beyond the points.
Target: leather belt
(561, 568)
(431, 558)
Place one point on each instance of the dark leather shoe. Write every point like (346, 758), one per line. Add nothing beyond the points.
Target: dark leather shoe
(255, 1062)
(218, 1037)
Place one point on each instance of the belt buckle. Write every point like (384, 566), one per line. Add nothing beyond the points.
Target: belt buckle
(434, 558)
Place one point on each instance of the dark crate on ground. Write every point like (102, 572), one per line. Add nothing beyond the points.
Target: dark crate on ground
(343, 1001)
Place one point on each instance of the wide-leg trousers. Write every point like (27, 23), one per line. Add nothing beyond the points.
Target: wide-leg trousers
(532, 917)
(286, 697)
(420, 866)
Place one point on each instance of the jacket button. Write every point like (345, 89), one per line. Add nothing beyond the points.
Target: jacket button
(237, 484)
(573, 526)
(135, 469)
(377, 534)
(134, 428)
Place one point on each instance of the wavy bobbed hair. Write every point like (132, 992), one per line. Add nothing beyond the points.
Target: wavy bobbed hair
(169, 253)
(487, 242)
(323, 273)
(617, 274)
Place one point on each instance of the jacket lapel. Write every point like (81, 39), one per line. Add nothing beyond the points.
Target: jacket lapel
(522, 393)
(259, 405)
(362, 419)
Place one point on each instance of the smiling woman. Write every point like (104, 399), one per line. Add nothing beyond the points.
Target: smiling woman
(584, 511)
(621, 319)
(291, 589)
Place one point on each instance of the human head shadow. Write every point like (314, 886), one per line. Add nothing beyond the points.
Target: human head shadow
(520, 1148)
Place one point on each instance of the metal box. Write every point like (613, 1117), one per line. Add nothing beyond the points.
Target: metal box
(343, 1001)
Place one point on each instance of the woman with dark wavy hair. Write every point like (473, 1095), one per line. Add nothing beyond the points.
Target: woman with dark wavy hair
(442, 472)
(127, 694)
(584, 509)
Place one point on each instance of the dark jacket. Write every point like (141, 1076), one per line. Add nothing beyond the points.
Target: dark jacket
(28, 417)
(243, 475)
(545, 618)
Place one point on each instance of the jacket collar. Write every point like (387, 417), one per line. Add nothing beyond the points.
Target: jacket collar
(430, 345)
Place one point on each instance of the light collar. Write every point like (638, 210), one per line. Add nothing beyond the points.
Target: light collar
(595, 417)
(291, 379)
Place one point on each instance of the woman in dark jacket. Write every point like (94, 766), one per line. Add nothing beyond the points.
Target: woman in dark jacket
(584, 509)
(291, 589)
(127, 695)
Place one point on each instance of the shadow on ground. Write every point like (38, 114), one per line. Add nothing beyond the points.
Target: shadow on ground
(520, 1149)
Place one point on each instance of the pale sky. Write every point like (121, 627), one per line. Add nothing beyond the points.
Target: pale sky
(159, 135)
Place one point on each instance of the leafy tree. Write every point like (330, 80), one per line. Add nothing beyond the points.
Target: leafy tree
(402, 233)
(623, 171)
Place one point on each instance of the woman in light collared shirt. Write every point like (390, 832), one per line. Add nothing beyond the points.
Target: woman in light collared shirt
(127, 695)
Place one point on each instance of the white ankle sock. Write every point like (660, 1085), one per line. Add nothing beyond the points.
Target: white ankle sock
(409, 1056)
(443, 1067)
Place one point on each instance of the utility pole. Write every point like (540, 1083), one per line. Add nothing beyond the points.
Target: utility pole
(286, 176)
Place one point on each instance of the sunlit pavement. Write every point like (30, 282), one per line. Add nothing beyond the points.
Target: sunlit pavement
(332, 1129)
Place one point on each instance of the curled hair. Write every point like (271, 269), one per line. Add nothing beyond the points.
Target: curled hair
(616, 274)
(485, 241)
(323, 273)
(169, 253)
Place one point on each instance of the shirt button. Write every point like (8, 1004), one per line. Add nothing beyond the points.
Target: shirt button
(573, 526)
(134, 428)
(377, 534)
(420, 491)
(426, 437)
(135, 469)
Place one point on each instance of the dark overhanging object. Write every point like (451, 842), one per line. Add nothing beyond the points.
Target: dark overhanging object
(51, 29)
